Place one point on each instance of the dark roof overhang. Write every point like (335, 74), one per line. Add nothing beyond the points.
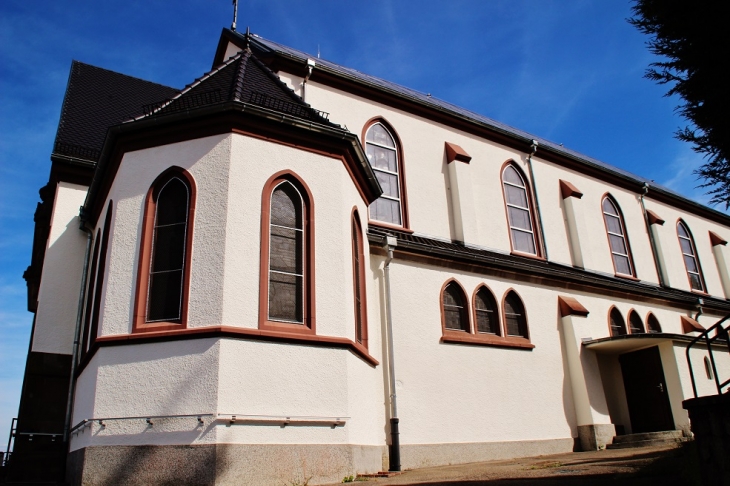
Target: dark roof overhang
(227, 117)
(424, 249)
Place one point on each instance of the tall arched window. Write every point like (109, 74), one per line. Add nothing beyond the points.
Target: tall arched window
(287, 255)
(454, 308)
(165, 253)
(689, 253)
(358, 274)
(100, 273)
(384, 156)
(485, 312)
(519, 211)
(618, 243)
(90, 295)
(616, 322)
(635, 324)
(652, 324)
(515, 318)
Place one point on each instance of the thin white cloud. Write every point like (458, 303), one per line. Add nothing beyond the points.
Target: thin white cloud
(681, 176)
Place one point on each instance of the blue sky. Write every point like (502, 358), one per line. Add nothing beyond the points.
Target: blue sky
(569, 71)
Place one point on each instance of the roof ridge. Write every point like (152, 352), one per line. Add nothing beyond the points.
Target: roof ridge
(190, 86)
(74, 62)
(240, 75)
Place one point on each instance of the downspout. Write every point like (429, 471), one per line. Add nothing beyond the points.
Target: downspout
(394, 452)
(533, 149)
(654, 251)
(700, 303)
(77, 332)
(310, 67)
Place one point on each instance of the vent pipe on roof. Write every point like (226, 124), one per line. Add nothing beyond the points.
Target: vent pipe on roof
(235, 15)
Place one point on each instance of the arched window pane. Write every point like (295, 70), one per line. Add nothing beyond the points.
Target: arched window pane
(382, 154)
(486, 312)
(164, 301)
(616, 238)
(518, 211)
(514, 316)
(652, 324)
(286, 255)
(618, 327)
(635, 323)
(358, 266)
(454, 305)
(689, 255)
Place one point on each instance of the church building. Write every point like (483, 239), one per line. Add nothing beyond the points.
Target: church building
(292, 271)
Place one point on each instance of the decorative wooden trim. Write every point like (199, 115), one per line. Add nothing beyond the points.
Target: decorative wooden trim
(309, 313)
(504, 316)
(716, 239)
(101, 273)
(139, 321)
(474, 312)
(569, 306)
(536, 230)
(567, 190)
(690, 325)
(654, 218)
(236, 333)
(444, 330)
(360, 282)
(628, 322)
(626, 237)
(703, 290)
(401, 168)
(455, 152)
(623, 321)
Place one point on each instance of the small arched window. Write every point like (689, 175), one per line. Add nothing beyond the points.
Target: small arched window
(383, 154)
(617, 241)
(165, 253)
(635, 324)
(689, 254)
(708, 368)
(358, 273)
(287, 255)
(485, 312)
(652, 324)
(454, 308)
(616, 321)
(519, 212)
(515, 319)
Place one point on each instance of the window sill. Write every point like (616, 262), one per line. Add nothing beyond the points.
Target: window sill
(146, 327)
(527, 255)
(232, 332)
(627, 277)
(700, 292)
(380, 224)
(487, 340)
(286, 327)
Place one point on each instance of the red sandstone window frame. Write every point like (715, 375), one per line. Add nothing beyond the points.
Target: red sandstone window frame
(536, 236)
(358, 280)
(140, 323)
(473, 337)
(694, 256)
(308, 326)
(638, 321)
(625, 236)
(625, 332)
(405, 224)
(654, 328)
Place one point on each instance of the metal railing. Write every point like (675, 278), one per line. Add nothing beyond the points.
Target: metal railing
(721, 334)
(11, 436)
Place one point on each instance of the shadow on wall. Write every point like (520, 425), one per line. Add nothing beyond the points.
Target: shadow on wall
(568, 405)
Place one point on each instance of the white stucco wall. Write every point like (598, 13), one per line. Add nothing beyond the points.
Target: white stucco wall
(58, 294)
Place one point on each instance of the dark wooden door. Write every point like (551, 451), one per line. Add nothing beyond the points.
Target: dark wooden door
(646, 391)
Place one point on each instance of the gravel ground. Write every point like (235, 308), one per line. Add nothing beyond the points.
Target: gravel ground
(659, 465)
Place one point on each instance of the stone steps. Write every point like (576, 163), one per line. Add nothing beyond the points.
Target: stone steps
(647, 439)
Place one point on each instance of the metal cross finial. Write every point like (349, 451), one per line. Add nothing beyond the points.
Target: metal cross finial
(235, 14)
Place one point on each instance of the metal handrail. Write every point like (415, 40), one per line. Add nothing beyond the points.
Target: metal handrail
(721, 333)
(13, 428)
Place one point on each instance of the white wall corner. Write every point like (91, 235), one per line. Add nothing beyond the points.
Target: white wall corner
(661, 260)
(573, 214)
(722, 260)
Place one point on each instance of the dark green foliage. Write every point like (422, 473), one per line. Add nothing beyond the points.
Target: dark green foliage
(693, 37)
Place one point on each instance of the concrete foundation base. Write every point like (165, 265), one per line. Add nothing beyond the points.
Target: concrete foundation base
(423, 455)
(595, 437)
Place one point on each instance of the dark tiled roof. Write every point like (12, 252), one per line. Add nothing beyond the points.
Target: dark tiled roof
(566, 274)
(96, 99)
(242, 78)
